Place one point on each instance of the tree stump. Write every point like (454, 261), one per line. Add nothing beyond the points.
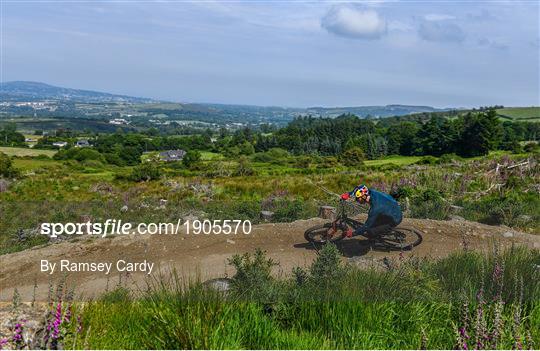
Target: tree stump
(327, 212)
(267, 216)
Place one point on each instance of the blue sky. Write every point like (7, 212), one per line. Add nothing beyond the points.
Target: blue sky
(285, 53)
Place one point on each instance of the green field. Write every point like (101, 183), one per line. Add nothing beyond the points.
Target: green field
(211, 156)
(22, 151)
(520, 113)
(397, 160)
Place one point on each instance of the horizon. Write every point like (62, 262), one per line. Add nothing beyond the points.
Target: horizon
(235, 104)
(276, 54)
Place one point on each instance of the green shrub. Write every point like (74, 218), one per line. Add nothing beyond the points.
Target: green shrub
(244, 168)
(191, 158)
(403, 192)
(513, 209)
(145, 172)
(83, 154)
(328, 162)
(531, 147)
(327, 267)
(278, 153)
(429, 204)
(253, 274)
(448, 158)
(262, 157)
(114, 159)
(288, 210)
(303, 161)
(353, 157)
(6, 167)
(427, 160)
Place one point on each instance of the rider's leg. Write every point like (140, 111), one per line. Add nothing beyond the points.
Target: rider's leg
(383, 224)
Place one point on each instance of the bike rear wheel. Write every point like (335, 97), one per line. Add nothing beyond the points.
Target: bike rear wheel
(402, 238)
(324, 233)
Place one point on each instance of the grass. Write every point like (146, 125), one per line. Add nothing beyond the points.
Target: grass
(211, 156)
(414, 305)
(22, 152)
(66, 190)
(397, 160)
(29, 164)
(521, 113)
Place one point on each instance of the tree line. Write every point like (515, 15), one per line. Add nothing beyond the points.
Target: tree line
(468, 135)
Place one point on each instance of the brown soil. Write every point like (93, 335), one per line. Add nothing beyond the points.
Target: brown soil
(205, 256)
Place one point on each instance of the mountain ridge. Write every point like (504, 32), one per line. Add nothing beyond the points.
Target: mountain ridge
(40, 90)
(31, 91)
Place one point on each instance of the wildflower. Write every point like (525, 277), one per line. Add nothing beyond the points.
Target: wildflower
(3, 342)
(57, 322)
(462, 339)
(67, 316)
(79, 324)
(17, 335)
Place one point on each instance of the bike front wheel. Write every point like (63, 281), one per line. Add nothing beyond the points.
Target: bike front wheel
(324, 233)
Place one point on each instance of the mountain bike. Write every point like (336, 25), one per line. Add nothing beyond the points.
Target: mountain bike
(400, 238)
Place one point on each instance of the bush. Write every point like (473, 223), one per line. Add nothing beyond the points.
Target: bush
(353, 157)
(114, 159)
(244, 168)
(87, 154)
(191, 158)
(303, 161)
(262, 157)
(278, 153)
(531, 147)
(448, 158)
(328, 162)
(287, 210)
(427, 160)
(402, 192)
(429, 204)
(6, 167)
(145, 172)
(327, 267)
(513, 209)
(253, 274)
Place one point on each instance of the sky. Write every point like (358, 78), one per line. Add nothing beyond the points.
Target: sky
(281, 53)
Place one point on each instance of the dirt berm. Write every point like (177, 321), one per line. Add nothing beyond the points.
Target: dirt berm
(205, 256)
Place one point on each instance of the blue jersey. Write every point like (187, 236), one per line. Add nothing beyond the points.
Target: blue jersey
(381, 204)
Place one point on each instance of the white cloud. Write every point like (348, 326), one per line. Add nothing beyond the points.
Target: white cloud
(438, 17)
(353, 22)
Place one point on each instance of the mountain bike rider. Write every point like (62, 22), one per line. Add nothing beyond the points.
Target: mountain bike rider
(384, 213)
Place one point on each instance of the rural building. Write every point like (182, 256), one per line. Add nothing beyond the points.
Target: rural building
(118, 121)
(60, 143)
(172, 155)
(82, 143)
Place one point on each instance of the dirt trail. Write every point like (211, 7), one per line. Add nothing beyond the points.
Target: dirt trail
(205, 256)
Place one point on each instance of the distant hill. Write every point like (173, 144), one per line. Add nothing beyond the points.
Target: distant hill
(31, 91)
(60, 102)
(373, 111)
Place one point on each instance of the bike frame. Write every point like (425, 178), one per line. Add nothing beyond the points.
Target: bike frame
(344, 221)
